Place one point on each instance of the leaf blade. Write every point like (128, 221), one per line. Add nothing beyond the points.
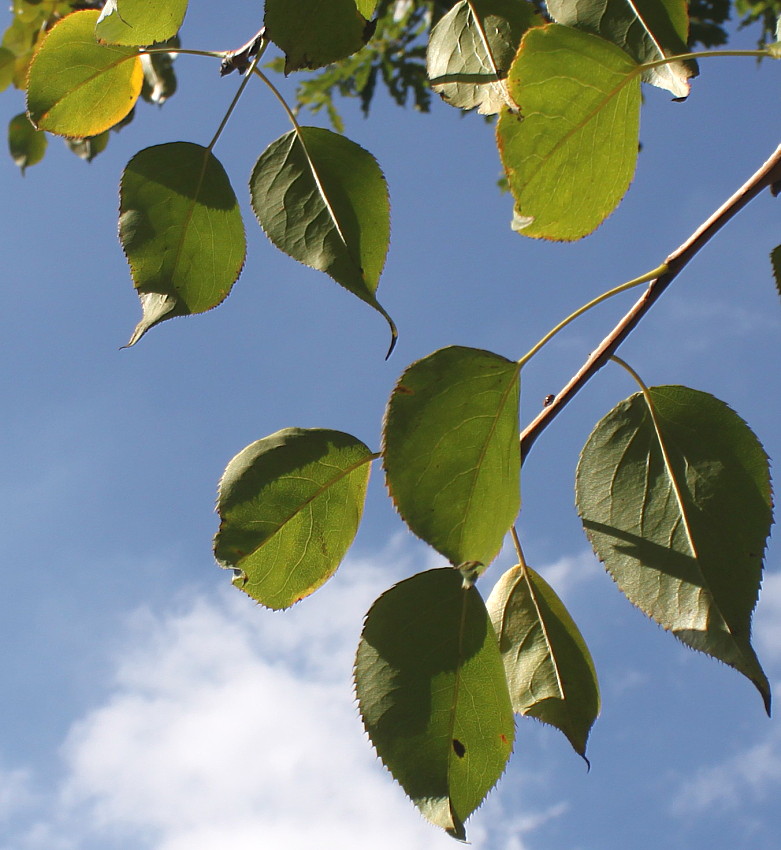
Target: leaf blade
(139, 22)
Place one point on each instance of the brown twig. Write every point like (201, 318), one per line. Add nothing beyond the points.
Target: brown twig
(768, 175)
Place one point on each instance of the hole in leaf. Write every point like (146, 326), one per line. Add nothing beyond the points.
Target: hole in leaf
(459, 748)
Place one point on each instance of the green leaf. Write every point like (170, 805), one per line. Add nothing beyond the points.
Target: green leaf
(78, 87)
(433, 696)
(451, 451)
(549, 668)
(648, 30)
(471, 49)
(139, 22)
(676, 501)
(181, 230)
(7, 63)
(290, 505)
(366, 7)
(87, 149)
(571, 158)
(26, 145)
(323, 200)
(775, 260)
(313, 34)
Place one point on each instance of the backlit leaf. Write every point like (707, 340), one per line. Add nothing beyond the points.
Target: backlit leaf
(471, 49)
(366, 7)
(181, 230)
(78, 87)
(433, 696)
(7, 61)
(549, 669)
(26, 145)
(290, 505)
(313, 34)
(451, 451)
(323, 200)
(648, 30)
(678, 506)
(571, 158)
(139, 22)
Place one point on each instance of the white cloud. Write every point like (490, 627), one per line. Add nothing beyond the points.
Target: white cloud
(230, 726)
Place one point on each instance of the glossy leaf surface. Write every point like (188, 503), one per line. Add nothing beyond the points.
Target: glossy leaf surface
(181, 230)
(139, 22)
(323, 200)
(549, 669)
(451, 451)
(313, 34)
(471, 49)
(26, 145)
(571, 158)
(78, 87)
(648, 30)
(290, 505)
(433, 696)
(678, 506)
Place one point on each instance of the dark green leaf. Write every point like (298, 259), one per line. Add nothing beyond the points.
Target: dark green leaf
(433, 696)
(181, 229)
(7, 61)
(313, 34)
(775, 260)
(26, 145)
(549, 668)
(87, 149)
(571, 158)
(451, 451)
(648, 30)
(471, 50)
(139, 22)
(78, 87)
(290, 505)
(323, 200)
(677, 503)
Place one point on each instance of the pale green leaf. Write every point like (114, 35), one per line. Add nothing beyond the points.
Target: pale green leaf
(181, 230)
(78, 87)
(648, 30)
(571, 158)
(140, 22)
(323, 200)
(366, 7)
(433, 696)
(290, 505)
(26, 145)
(549, 669)
(451, 451)
(775, 260)
(471, 49)
(312, 33)
(678, 506)
(7, 62)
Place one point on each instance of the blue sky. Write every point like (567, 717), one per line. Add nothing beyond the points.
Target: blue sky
(147, 704)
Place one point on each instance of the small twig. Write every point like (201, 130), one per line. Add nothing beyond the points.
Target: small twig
(769, 175)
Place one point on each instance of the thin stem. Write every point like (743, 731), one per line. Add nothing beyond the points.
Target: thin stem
(278, 95)
(150, 51)
(518, 548)
(766, 176)
(593, 303)
(706, 54)
(237, 96)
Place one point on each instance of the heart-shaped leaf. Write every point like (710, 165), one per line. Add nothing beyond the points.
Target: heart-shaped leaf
(78, 87)
(451, 451)
(674, 493)
(549, 668)
(433, 696)
(290, 505)
(181, 230)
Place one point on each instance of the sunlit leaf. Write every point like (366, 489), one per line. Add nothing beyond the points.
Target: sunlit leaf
(26, 145)
(549, 669)
(78, 87)
(323, 200)
(290, 505)
(181, 229)
(571, 158)
(7, 60)
(775, 260)
(313, 34)
(366, 7)
(451, 451)
(433, 696)
(139, 22)
(678, 506)
(471, 49)
(648, 30)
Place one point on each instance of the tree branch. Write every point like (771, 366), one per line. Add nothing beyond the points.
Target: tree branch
(767, 176)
